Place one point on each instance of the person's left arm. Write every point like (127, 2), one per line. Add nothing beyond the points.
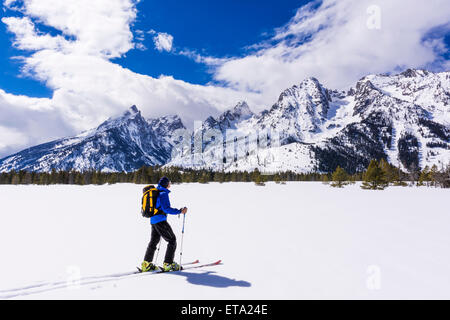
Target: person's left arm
(165, 204)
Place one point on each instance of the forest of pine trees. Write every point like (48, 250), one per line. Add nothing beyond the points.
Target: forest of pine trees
(381, 174)
(378, 175)
(149, 175)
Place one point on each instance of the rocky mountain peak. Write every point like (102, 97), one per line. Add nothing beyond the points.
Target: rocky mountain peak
(229, 118)
(133, 109)
(131, 115)
(166, 125)
(412, 73)
(242, 110)
(309, 98)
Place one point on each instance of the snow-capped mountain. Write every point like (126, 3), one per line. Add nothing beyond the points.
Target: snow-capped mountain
(404, 118)
(123, 143)
(301, 111)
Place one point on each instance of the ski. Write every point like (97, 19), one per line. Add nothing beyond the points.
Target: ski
(216, 263)
(158, 271)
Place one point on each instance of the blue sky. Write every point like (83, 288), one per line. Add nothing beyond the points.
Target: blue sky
(215, 28)
(11, 79)
(66, 66)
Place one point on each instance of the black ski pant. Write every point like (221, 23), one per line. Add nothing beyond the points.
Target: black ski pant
(161, 229)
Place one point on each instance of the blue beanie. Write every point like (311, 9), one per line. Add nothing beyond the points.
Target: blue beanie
(164, 182)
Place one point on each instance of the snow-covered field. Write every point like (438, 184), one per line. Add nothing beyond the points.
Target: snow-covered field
(293, 241)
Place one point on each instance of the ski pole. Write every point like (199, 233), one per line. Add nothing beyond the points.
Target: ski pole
(157, 252)
(182, 238)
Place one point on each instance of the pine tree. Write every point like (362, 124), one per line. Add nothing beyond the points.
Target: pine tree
(234, 176)
(219, 177)
(79, 179)
(424, 177)
(442, 177)
(204, 177)
(27, 179)
(257, 178)
(339, 177)
(433, 175)
(391, 173)
(374, 178)
(15, 178)
(446, 173)
(277, 178)
(414, 172)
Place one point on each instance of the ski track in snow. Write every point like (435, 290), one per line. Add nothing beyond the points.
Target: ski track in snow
(50, 286)
(84, 281)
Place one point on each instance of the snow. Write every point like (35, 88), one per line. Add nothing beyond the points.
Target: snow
(426, 89)
(295, 156)
(293, 241)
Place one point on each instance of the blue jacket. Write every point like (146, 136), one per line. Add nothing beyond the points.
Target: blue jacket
(163, 203)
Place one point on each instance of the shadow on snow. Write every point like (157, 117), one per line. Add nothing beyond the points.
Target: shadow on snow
(210, 279)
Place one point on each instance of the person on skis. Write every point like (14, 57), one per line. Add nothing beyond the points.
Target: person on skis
(161, 228)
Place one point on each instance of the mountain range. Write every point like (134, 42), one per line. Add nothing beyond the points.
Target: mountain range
(404, 118)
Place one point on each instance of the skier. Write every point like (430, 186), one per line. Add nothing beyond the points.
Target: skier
(161, 228)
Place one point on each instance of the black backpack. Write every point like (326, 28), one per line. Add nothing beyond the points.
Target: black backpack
(149, 198)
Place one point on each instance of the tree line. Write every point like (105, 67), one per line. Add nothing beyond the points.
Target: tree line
(378, 175)
(381, 174)
(149, 175)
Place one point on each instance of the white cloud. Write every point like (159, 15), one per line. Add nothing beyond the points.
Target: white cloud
(28, 38)
(100, 27)
(199, 58)
(331, 40)
(8, 3)
(28, 121)
(10, 136)
(163, 41)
